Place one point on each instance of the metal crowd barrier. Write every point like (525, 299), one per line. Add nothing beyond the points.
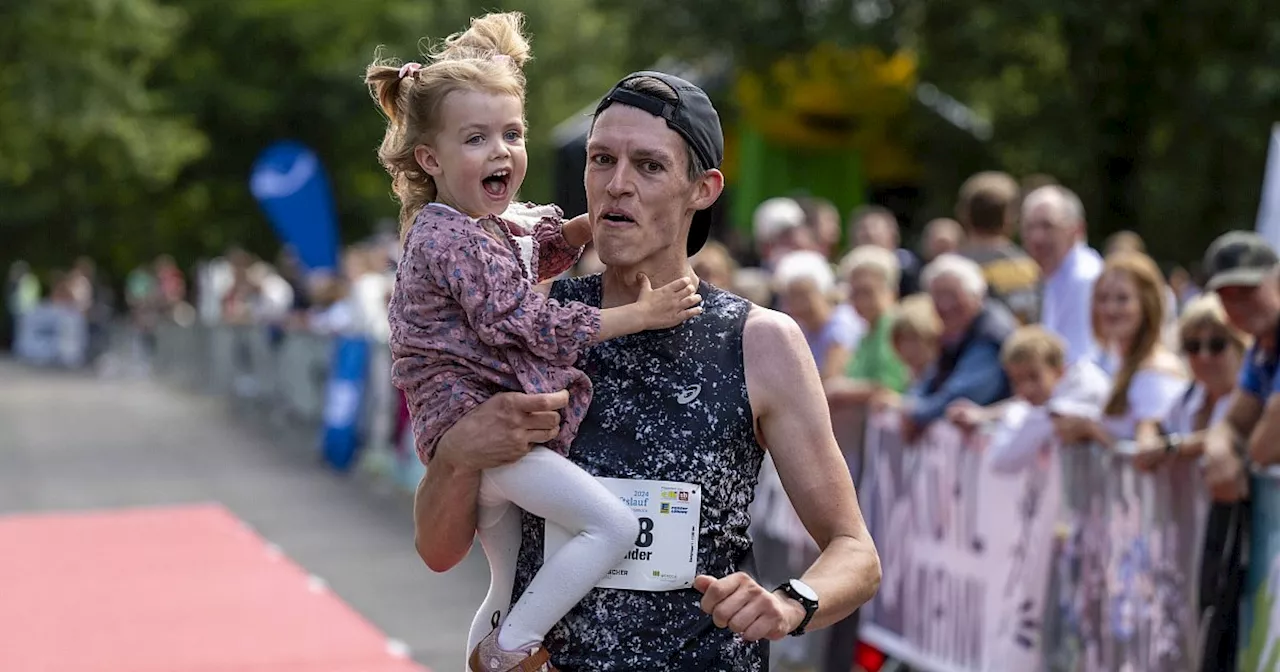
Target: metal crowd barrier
(1078, 562)
(283, 377)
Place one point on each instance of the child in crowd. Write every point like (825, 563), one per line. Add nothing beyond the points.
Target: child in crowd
(915, 332)
(467, 321)
(1044, 386)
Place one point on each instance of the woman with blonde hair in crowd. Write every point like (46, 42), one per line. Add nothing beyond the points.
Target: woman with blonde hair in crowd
(806, 285)
(1148, 378)
(1215, 351)
(872, 273)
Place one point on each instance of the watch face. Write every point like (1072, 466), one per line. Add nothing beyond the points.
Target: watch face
(803, 590)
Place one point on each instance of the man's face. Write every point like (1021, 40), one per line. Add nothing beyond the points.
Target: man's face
(876, 230)
(1047, 237)
(941, 237)
(639, 198)
(956, 307)
(1253, 310)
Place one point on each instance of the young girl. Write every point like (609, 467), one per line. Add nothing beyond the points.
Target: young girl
(467, 321)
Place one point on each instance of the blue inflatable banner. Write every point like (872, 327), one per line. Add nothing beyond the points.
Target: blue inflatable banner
(344, 400)
(291, 186)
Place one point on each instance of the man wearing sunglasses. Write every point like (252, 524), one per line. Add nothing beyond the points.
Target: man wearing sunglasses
(1244, 271)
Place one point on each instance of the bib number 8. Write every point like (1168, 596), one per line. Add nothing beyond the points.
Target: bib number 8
(645, 540)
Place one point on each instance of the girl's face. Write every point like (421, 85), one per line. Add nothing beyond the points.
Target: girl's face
(1116, 308)
(477, 157)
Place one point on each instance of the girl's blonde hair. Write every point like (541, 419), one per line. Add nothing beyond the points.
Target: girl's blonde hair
(489, 56)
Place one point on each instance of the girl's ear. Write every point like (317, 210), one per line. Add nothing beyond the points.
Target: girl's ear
(427, 160)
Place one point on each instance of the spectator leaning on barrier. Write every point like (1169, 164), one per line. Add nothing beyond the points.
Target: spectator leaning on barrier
(877, 225)
(916, 335)
(1128, 318)
(1242, 269)
(805, 287)
(973, 331)
(1044, 386)
(988, 210)
(1053, 231)
(872, 273)
(1215, 352)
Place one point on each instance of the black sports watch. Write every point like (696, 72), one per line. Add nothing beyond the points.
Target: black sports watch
(801, 592)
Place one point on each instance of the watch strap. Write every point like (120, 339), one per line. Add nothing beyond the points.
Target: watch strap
(810, 607)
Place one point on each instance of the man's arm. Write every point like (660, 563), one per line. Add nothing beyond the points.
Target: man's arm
(1223, 467)
(977, 377)
(793, 423)
(499, 431)
(1264, 440)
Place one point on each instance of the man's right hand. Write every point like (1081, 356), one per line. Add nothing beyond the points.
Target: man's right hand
(501, 430)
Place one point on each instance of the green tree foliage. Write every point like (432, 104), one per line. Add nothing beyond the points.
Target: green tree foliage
(128, 127)
(1158, 115)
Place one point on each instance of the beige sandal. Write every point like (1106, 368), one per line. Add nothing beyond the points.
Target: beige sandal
(489, 657)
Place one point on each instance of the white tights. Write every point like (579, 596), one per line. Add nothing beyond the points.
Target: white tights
(548, 485)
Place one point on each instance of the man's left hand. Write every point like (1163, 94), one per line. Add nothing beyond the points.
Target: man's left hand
(739, 603)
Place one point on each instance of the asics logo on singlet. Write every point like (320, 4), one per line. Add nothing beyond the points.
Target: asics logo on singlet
(688, 394)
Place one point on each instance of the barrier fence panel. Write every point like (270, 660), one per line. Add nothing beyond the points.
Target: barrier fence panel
(964, 551)
(1077, 562)
(283, 376)
(1126, 575)
(1260, 609)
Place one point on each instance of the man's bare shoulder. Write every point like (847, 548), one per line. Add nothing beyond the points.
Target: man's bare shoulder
(776, 355)
(770, 333)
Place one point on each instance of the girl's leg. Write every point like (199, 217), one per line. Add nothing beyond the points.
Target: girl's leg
(498, 527)
(548, 485)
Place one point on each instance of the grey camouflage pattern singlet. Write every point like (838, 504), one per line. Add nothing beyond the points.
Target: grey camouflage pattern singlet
(636, 427)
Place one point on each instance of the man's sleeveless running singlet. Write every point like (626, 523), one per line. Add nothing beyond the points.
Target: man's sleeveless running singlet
(669, 405)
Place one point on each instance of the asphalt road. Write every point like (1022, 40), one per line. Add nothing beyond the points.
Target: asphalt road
(74, 442)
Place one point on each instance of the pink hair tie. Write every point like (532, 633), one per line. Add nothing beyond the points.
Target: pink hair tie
(409, 69)
(503, 59)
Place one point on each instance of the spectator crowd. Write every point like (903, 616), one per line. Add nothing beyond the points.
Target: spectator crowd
(1004, 317)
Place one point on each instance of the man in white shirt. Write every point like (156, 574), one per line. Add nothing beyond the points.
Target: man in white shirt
(1053, 233)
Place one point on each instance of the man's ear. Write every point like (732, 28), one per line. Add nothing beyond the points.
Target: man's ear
(427, 160)
(707, 189)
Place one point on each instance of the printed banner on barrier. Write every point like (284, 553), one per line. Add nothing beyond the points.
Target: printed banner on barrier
(965, 551)
(1260, 609)
(1125, 576)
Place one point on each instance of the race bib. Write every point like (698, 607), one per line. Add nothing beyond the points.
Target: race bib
(665, 556)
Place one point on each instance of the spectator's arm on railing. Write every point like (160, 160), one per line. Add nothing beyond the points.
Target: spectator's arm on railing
(1264, 440)
(977, 377)
(1224, 468)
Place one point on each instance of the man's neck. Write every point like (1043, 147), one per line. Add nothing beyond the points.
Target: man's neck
(988, 239)
(1052, 269)
(620, 285)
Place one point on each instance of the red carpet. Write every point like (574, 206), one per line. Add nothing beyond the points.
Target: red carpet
(186, 589)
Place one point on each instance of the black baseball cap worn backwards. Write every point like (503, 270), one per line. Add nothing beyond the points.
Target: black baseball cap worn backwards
(693, 117)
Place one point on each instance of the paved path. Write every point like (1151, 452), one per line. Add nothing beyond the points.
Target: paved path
(69, 441)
